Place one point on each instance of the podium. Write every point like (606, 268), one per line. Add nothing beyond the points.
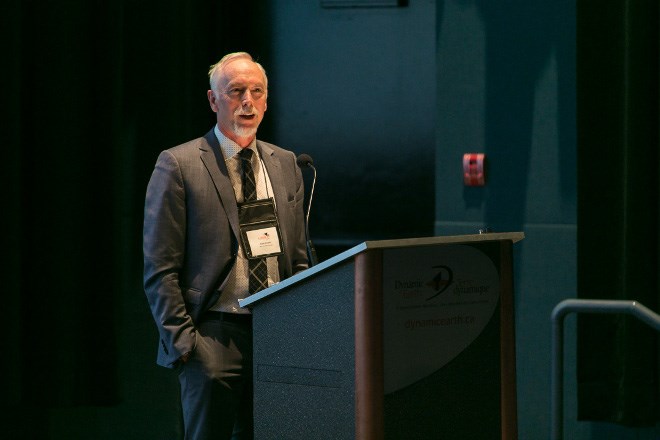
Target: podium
(393, 339)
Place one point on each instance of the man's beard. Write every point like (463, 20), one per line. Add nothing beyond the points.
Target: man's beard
(244, 131)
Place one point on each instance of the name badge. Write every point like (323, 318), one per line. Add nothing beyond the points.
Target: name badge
(260, 229)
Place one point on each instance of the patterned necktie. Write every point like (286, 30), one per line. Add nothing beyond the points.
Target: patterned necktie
(257, 266)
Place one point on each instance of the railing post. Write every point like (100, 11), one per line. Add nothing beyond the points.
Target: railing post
(557, 380)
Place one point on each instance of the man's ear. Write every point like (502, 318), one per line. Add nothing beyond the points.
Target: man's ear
(210, 94)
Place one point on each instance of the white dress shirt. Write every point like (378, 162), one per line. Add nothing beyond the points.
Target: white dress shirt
(237, 285)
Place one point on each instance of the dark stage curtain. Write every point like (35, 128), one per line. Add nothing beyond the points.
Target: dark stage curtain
(93, 90)
(618, 208)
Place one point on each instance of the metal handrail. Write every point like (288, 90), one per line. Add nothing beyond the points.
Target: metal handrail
(560, 311)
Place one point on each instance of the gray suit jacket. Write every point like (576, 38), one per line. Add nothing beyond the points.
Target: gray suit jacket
(190, 236)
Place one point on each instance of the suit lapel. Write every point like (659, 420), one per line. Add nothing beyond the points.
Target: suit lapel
(274, 169)
(277, 181)
(215, 164)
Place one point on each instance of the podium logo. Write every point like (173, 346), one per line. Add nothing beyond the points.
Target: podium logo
(441, 281)
(409, 289)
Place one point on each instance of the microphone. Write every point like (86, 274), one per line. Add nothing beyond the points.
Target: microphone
(304, 160)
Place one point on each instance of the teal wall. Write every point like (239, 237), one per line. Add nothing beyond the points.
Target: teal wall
(506, 88)
(369, 93)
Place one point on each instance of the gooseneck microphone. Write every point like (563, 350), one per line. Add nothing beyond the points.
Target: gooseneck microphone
(304, 160)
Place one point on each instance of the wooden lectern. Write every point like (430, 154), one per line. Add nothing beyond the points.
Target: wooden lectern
(395, 339)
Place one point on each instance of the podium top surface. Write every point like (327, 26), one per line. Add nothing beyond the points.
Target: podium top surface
(380, 244)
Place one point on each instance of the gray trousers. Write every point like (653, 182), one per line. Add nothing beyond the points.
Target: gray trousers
(216, 382)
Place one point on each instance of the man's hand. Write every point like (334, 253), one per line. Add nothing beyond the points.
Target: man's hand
(185, 357)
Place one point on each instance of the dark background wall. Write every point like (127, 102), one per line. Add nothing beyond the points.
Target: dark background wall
(355, 89)
(386, 101)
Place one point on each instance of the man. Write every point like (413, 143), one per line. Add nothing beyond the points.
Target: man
(198, 255)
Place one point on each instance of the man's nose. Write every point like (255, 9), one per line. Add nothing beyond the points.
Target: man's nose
(247, 97)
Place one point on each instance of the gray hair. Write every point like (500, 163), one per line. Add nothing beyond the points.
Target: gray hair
(216, 69)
